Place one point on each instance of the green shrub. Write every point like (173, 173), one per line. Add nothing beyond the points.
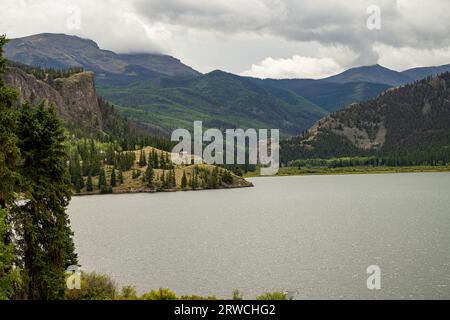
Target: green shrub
(276, 295)
(94, 287)
(128, 293)
(194, 297)
(161, 294)
(237, 295)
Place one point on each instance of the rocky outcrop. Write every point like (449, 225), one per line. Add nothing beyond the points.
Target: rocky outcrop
(80, 100)
(74, 98)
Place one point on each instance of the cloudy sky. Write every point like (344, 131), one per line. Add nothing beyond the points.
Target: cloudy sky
(263, 38)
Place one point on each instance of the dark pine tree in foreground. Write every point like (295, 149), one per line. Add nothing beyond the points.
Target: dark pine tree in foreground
(47, 244)
(9, 178)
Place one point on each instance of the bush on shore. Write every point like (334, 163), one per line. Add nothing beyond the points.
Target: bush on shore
(96, 286)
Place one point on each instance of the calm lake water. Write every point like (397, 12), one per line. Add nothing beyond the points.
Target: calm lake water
(313, 235)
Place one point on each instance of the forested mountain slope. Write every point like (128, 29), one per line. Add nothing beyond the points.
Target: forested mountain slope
(219, 99)
(410, 119)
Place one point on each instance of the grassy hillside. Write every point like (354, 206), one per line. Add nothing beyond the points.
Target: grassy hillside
(134, 179)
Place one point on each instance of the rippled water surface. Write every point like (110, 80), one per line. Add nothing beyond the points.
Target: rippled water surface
(313, 235)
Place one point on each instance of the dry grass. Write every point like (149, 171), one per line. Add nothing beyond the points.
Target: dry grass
(131, 185)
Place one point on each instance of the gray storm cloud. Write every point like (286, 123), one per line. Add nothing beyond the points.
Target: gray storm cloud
(403, 23)
(196, 30)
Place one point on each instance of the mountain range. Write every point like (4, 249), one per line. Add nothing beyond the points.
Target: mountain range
(160, 90)
(219, 99)
(61, 51)
(409, 119)
(380, 74)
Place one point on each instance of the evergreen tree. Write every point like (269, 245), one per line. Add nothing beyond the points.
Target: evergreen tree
(120, 177)
(162, 162)
(154, 159)
(47, 245)
(184, 181)
(9, 180)
(149, 176)
(110, 155)
(77, 176)
(113, 178)
(9, 152)
(77, 185)
(215, 178)
(142, 159)
(94, 159)
(8, 276)
(89, 184)
(169, 164)
(102, 179)
(195, 178)
(173, 181)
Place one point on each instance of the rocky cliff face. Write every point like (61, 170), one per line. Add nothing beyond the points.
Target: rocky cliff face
(75, 98)
(77, 103)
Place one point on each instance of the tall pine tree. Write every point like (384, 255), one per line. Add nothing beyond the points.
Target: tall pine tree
(9, 180)
(47, 247)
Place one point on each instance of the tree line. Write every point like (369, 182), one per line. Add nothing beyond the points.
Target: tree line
(431, 157)
(47, 75)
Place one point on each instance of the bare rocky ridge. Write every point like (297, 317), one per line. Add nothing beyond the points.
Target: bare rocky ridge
(74, 98)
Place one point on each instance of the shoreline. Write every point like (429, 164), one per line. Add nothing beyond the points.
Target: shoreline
(86, 194)
(293, 171)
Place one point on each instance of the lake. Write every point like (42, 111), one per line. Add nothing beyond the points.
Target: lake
(314, 236)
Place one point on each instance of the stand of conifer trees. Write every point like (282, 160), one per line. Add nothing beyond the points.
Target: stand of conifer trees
(36, 243)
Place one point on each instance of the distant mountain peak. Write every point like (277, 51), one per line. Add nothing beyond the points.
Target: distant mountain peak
(379, 74)
(59, 39)
(57, 50)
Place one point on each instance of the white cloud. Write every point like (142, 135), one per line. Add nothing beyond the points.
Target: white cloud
(295, 67)
(113, 24)
(407, 57)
